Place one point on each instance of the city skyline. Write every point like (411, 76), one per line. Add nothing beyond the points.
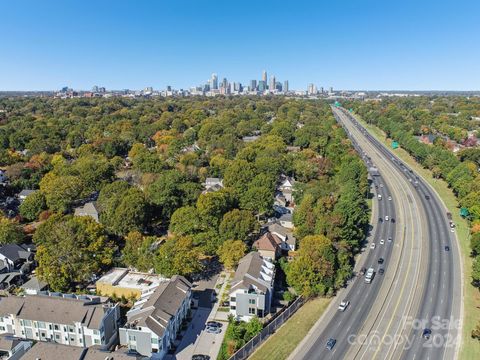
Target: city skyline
(123, 44)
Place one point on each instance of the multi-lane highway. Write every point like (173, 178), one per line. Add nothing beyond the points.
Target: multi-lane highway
(421, 288)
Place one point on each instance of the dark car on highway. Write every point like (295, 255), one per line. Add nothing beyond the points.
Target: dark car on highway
(427, 197)
(381, 271)
(380, 261)
(426, 334)
(331, 343)
(447, 248)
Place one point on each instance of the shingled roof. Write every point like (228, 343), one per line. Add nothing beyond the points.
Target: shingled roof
(267, 241)
(253, 271)
(161, 305)
(54, 309)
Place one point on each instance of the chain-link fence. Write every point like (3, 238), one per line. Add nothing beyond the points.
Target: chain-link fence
(268, 330)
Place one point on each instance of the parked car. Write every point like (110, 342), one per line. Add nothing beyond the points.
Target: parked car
(200, 357)
(213, 330)
(372, 246)
(214, 324)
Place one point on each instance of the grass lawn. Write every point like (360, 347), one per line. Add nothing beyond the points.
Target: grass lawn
(470, 348)
(279, 345)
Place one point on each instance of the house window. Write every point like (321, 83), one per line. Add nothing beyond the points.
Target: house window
(41, 325)
(154, 340)
(233, 299)
(251, 311)
(81, 341)
(96, 341)
(132, 347)
(251, 301)
(132, 337)
(72, 339)
(57, 336)
(64, 329)
(71, 329)
(56, 327)
(2, 328)
(233, 307)
(43, 334)
(154, 350)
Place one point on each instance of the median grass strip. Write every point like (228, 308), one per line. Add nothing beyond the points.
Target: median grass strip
(279, 345)
(470, 349)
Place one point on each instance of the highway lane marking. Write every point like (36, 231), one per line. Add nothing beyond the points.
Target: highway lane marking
(405, 189)
(401, 189)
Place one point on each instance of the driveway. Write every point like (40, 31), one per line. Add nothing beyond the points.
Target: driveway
(195, 339)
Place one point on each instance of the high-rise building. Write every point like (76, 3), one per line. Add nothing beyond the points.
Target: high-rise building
(285, 86)
(214, 81)
(264, 76)
(312, 89)
(278, 86)
(95, 89)
(331, 89)
(272, 83)
(321, 90)
(253, 85)
(262, 85)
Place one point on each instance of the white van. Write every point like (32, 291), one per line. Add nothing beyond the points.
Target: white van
(379, 196)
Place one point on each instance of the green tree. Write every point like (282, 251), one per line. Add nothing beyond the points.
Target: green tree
(476, 271)
(11, 232)
(139, 251)
(212, 206)
(237, 224)
(230, 253)
(70, 250)
(312, 272)
(60, 191)
(475, 244)
(186, 221)
(32, 206)
(178, 256)
(122, 208)
(258, 199)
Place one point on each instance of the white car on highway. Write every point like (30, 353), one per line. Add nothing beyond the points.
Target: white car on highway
(343, 305)
(372, 246)
(390, 198)
(386, 218)
(382, 241)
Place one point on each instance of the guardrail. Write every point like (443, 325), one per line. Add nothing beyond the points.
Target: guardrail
(268, 330)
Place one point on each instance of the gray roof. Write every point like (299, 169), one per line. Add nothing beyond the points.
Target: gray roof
(15, 252)
(161, 306)
(55, 309)
(49, 350)
(283, 232)
(26, 192)
(9, 277)
(95, 353)
(35, 284)
(251, 271)
(8, 342)
(89, 209)
(286, 217)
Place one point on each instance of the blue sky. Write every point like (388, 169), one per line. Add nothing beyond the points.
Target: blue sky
(370, 44)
